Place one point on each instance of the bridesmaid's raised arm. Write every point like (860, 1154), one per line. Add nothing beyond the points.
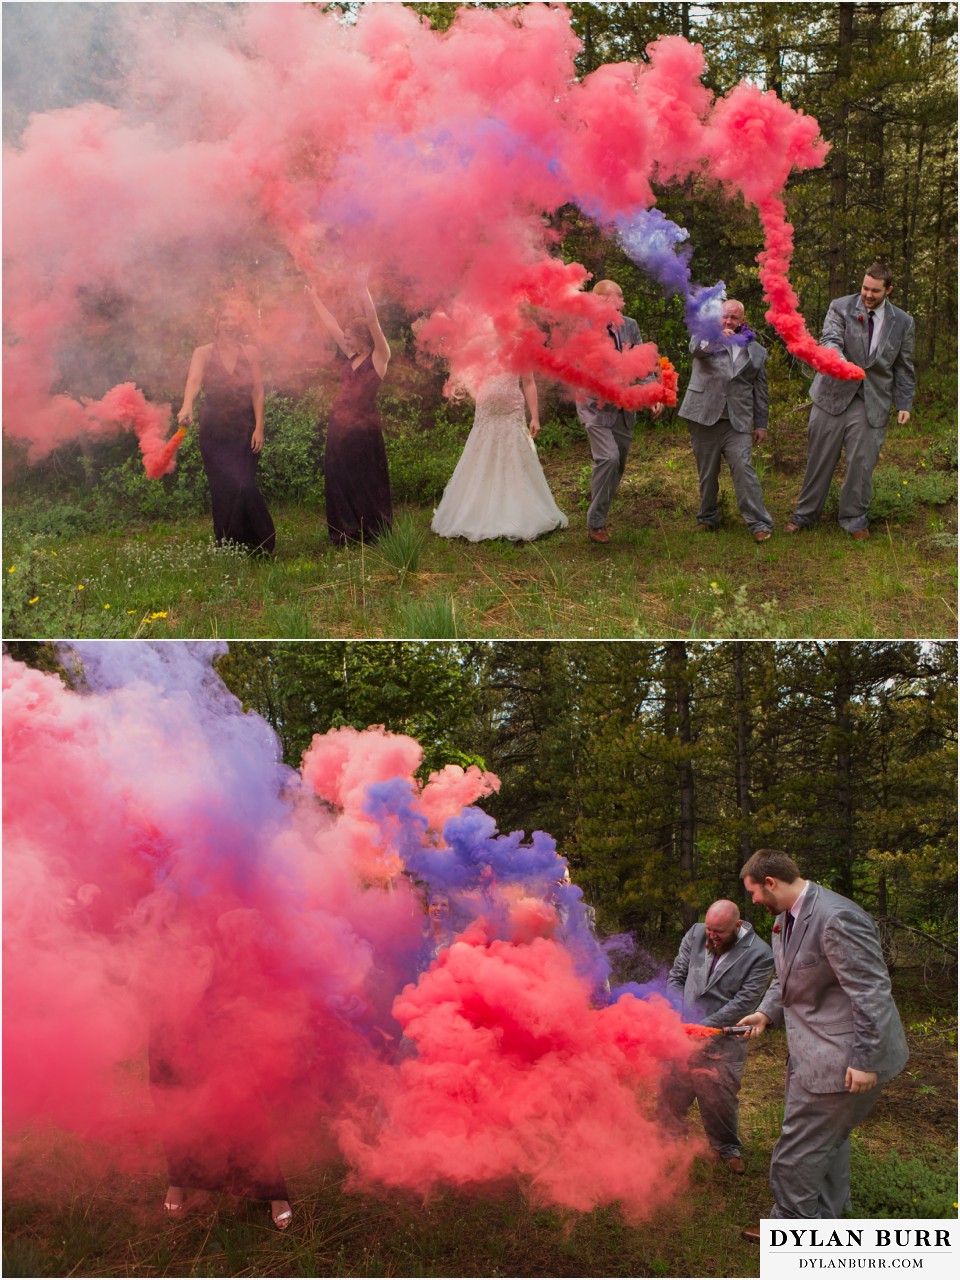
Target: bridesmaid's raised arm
(381, 347)
(327, 319)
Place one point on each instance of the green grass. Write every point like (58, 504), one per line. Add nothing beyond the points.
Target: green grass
(658, 576)
(64, 1215)
(112, 1225)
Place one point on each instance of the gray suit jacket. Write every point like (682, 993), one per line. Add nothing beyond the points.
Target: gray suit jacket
(593, 413)
(712, 391)
(720, 999)
(889, 368)
(832, 990)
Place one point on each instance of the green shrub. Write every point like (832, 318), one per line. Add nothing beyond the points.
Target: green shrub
(896, 494)
(897, 1187)
(422, 455)
(291, 465)
(560, 433)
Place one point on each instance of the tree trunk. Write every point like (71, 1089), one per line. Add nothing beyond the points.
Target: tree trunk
(743, 756)
(843, 725)
(678, 693)
(839, 162)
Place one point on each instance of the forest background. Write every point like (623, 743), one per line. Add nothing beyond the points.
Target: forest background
(659, 768)
(881, 81)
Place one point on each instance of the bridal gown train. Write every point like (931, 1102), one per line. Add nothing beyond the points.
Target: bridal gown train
(498, 489)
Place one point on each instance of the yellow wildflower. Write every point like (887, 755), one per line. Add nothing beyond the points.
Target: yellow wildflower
(34, 600)
(79, 586)
(161, 614)
(12, 569)
(106, 606)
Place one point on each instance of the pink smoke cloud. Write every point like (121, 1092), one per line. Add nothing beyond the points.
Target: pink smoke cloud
(260, 935)
(515, 1074)
(268, 142)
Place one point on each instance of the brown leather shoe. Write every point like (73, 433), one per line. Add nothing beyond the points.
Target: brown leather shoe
(790, 527)
(598, 535)
(860, 535)
(762, 535)
(751, 1233)
(735, 1164)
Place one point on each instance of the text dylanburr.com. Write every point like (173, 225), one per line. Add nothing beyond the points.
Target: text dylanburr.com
(815, 1248)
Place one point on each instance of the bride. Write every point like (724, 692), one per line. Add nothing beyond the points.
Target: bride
(498, 489)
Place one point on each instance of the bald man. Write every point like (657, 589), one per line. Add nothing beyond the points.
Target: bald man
(609, 427)
(726, 409)
(719, 976)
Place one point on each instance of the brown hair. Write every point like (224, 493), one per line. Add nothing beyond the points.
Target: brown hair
(770, 862)
(880, 271)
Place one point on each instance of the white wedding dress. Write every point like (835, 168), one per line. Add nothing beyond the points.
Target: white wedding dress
(498, 489)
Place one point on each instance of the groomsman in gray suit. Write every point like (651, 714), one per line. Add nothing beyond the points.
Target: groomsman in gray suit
(844, 1035)
(721, 971)
(870, 332)
(727, 408)
(609, 427)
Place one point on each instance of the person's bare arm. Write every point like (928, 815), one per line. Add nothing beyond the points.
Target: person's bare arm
(327, 318)
(529, 384)
(198, 363)
(256, 369)
(381, 347)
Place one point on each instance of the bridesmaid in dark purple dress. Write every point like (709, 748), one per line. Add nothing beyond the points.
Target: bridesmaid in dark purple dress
(356, 480)
(231, 432)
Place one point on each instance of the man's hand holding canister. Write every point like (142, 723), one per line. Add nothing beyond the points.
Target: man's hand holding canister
(757, 1022)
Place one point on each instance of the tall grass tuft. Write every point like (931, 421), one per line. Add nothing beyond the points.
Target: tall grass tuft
(431, 619)
(402, 546)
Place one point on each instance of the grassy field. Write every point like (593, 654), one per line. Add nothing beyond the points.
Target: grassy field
(904, 1166)
(660, 575)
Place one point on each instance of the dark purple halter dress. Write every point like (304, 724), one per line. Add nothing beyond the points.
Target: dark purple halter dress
(227, 1146)
(355, 477)
(226, 426)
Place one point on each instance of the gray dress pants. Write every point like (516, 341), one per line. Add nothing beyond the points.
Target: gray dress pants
(609, 447)
(827, 435)
(714, 1080)
(712, 444)
(810, 1168)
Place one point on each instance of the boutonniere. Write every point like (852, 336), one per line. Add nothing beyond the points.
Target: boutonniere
(776, 928)
(859, 317)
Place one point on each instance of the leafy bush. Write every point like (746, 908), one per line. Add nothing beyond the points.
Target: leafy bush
(896, 494)
(560, 433)
(897, 1187)
(291, 465)
(422, 455)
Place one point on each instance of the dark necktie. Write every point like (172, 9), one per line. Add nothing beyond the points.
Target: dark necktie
(870, 319)
(615, 335)
(787, 929)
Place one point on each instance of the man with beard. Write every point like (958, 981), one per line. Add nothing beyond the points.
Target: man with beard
(720, 973)
(844, 1036)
